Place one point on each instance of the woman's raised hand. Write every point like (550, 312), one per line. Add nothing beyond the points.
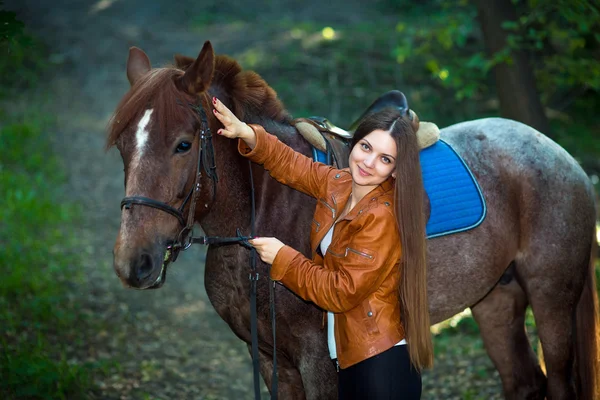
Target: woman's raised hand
(232, 127)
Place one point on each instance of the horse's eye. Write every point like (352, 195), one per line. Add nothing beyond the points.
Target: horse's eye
(183, 147)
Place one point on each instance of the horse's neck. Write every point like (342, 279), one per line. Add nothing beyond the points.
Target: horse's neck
(232, 206)
(282, 211)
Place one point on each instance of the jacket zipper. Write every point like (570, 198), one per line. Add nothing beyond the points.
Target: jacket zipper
(334, 205)
(328, 206)
(358, 252)
(317, 224)
(336, 254)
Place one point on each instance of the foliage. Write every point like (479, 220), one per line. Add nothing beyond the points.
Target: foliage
(563, 38)
(432, 40)
(21, 55)
(30, 372)
(37, 314)
(560, 37)
(10, 27)
(36, 273)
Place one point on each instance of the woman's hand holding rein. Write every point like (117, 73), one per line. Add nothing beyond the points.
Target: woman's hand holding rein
(233, 128)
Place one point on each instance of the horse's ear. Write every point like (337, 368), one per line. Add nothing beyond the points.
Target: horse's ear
(183, 62)
(138, 64)
(199, 74)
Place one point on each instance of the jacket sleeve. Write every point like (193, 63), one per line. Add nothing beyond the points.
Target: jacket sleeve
(285, 164)
(366, 262)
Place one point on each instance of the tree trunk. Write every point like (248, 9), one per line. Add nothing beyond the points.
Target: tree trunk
(515, 82)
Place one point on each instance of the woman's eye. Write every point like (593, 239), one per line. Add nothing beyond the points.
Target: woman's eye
(364, 146)
(386, 160)
(183, 147)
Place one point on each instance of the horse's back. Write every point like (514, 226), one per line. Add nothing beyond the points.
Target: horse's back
(512, 146)
(503, 151)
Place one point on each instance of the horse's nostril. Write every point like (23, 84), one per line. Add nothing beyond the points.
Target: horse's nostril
(144, 267)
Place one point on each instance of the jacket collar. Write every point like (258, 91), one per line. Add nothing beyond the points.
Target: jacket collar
(386, 187)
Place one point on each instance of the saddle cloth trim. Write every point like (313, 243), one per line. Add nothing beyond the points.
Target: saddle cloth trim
(479, 192)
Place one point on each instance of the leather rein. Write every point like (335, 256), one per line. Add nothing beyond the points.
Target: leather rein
(185, 238)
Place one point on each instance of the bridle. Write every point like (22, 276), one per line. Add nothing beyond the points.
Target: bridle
(185, 238)
(206, 163)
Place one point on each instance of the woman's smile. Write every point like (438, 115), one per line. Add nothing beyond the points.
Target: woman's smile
(362, 172)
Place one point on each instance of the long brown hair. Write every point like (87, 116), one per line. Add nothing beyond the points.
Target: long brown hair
(410, 217)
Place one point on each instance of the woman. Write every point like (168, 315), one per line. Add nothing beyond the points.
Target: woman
(369, 254)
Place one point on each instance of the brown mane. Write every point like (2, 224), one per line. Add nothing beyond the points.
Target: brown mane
(249, 93)
(250, 96)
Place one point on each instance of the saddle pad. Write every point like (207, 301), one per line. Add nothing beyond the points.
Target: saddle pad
(319, 155)
(457, 203)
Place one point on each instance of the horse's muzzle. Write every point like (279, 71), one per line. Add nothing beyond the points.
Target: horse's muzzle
(144, 271)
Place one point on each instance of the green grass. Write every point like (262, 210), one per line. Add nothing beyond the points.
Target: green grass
(41, 325)
(37, 314)
(22, 58)
(31, 371)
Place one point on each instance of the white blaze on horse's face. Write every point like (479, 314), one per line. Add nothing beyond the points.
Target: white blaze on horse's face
(133, 182)
(141, 135)
(141, 139)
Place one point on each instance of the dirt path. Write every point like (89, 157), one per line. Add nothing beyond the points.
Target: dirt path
(170, 343)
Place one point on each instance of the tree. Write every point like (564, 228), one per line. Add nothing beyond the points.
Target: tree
(515, 79)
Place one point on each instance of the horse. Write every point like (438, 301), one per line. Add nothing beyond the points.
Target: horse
(534, 248)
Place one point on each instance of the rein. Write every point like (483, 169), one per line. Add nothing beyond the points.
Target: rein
(185, 238)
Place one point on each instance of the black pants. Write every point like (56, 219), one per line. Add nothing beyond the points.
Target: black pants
(386, 376)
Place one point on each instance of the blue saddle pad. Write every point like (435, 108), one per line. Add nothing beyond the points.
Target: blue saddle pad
(457, 203)
(319, 155)
(455, 198)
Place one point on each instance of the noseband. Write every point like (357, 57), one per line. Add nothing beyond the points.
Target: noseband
(206, 162)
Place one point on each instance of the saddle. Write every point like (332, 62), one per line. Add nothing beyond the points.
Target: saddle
(335, 142)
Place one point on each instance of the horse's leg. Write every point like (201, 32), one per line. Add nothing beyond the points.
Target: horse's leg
(553, 286)
(554, 320)
(501, 319)
(312, 379)
(319, 377)
(289, 381)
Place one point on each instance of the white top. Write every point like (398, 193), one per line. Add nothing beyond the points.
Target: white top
(330, 316)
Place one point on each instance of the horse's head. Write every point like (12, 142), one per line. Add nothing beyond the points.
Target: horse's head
(158, 128)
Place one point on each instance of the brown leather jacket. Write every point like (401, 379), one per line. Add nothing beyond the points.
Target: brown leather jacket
(358, 277)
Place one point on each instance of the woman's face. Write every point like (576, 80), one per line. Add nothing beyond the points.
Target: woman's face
(373, 159)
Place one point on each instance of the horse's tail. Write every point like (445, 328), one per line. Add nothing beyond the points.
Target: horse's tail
(587, 345)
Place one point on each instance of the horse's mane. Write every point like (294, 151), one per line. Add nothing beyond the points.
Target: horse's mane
(252, 99)
(251, 96)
